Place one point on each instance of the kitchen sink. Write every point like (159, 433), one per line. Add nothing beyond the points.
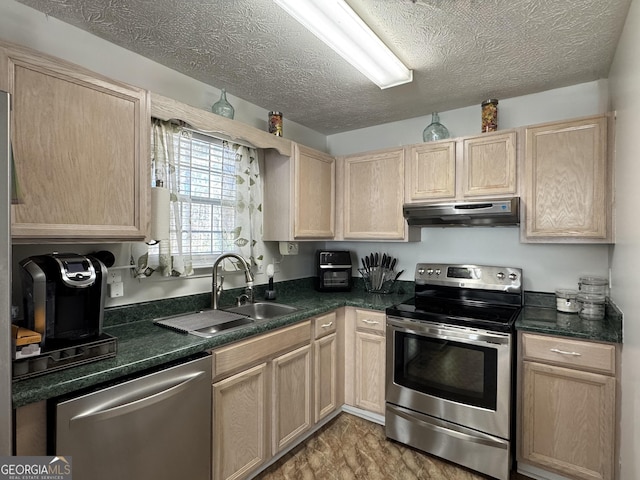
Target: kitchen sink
(263, 310)
(206, 323)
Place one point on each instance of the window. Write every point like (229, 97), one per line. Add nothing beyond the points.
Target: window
(205, 177)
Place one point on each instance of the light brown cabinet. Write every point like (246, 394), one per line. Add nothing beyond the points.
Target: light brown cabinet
(325, 361)
(240, 423)
(568, 393)
(299, 195)
(365, 359)
(81, 150)
(291, 380)
(431, 171)
(568, 182)
(372, 195)
(261, 398)
(478, 166)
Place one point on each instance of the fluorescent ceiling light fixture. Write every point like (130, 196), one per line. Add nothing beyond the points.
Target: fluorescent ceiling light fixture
(337, 25)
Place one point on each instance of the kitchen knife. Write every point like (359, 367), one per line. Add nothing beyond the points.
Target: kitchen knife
(364, 265)
(393, 264)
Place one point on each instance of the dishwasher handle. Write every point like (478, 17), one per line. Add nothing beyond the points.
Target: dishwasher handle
(126, 405)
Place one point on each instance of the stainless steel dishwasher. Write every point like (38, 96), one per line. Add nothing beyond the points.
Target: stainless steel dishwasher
(156, 426)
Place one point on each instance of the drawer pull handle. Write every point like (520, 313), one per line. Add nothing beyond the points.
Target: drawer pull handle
(370, 322)
(326, 325)
(564, 352)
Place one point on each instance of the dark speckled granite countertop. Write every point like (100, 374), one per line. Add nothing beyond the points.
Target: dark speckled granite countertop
(540, 315)
(143, 345)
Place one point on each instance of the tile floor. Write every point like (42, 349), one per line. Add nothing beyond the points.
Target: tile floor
(350, 448)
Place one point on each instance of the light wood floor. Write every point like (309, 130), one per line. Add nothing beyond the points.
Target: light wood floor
(350, 448)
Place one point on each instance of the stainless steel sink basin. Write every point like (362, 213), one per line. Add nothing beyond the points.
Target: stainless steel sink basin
(263, 310)
(206, 323)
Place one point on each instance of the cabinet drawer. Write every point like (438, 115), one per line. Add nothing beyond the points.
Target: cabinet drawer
(570, 353)
(238, 356)
(369, 320)
(324, 324)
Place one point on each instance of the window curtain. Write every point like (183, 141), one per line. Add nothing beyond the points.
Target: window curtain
(246, 234)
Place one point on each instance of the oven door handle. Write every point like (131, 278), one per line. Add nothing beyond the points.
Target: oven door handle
(477, 437)
(434, 331)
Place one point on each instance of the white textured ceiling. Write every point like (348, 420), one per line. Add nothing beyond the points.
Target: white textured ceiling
(461, 51)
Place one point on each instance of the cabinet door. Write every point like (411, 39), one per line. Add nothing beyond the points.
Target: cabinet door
(568, 421)
(431, 172)
(326, 376)
(314, 202)
(567, 181)
(80, 145)
(370, 372)
(240, 407)
(291, 413)
(489, 165)
(374, 192)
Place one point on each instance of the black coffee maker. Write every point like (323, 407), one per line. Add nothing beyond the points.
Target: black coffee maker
(63, 296)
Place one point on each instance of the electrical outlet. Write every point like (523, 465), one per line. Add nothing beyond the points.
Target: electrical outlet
(116, 289)
(114, 277)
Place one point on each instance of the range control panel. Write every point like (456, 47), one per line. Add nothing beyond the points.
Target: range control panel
(470, 276)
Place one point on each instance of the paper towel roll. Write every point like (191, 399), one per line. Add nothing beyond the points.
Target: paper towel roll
(159, 213)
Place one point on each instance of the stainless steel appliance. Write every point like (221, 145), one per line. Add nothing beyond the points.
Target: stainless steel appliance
(481, 213)
(6, 414)
(157, 426)
(333, 271)
(450, 365)
(63, 296)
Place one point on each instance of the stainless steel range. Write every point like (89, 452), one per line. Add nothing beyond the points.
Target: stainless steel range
(450, 365)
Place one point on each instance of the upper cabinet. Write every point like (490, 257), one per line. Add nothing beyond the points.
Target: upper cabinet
(568, 182)
(489, 165)
(373, 192)
(431, 171)
(479, 166)
(299, 195)
(80, 145)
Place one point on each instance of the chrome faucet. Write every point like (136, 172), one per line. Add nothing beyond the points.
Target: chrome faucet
(216, 289)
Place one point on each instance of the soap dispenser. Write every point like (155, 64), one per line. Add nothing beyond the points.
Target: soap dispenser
(270, 293)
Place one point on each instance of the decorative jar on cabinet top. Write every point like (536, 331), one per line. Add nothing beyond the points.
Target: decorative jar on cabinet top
(435, 130)
(222, 107)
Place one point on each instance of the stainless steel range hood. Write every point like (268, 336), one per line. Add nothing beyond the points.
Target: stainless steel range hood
(478, 213)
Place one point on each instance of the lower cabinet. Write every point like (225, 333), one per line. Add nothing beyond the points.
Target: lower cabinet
(326, 359)
(261, 399)
(568, 406)
(240, 426)
(365, 359)
(291, 414)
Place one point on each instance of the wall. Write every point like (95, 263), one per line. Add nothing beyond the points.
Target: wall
(625, 100)
(558, 104)
(545, 267)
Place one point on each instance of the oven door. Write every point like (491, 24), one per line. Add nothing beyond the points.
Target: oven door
(458, 374)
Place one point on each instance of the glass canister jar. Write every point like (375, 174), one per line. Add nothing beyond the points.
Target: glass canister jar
(595, 285)
(566, 300)
(490, 115)
(591, 306)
